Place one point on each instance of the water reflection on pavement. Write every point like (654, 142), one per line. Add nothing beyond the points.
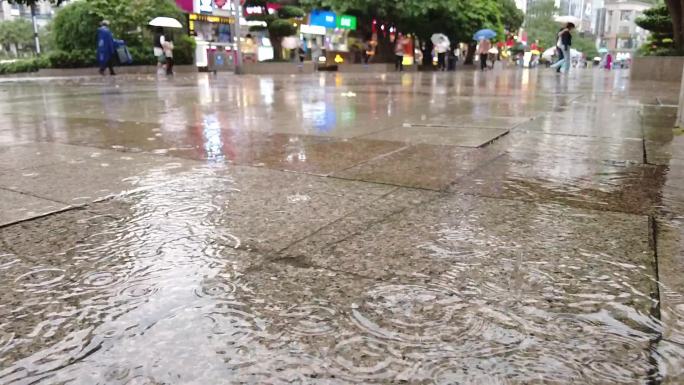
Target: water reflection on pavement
(502, 228)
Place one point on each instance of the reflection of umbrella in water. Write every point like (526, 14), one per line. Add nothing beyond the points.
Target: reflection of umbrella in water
(290, 42)
(484, 34)
(166, 22)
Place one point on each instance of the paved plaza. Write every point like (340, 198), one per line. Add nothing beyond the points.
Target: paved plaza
(510, 227)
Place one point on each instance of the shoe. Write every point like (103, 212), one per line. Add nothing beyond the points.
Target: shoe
(101, 72)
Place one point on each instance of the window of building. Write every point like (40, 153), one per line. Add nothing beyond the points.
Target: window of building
(625, 15)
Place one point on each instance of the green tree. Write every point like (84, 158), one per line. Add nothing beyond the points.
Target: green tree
(659, 22)
(17, 36)
(75, 26)
(279, 25)
(458, 19)
(539, 23)
(512, 17)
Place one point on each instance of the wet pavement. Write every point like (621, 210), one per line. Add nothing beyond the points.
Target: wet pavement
(512, 227)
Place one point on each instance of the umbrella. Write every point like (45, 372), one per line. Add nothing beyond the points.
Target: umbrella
(548, 54)
(567, 19)
(603, 50)
(484, 34)
(167, 22)
(290, 42)
(440, 39)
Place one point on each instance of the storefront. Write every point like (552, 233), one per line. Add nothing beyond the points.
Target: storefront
(212, 23)
(330, 32)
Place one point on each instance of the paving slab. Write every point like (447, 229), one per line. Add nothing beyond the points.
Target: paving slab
(421, 166)
(103, 174)
(545, 268)
(670, 242)
(572, 147)
(262, 209)
(455, 136)
(22, 156)
(604, 185)
(614, 123)
(15, 207)
(308, 154)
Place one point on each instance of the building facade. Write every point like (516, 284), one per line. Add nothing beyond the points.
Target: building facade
(44, 11)
(620, 32)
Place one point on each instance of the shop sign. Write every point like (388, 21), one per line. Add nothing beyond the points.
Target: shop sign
(211, 18)
(346, 22)
(325, 19)
(204, 6)
(253, 10)
(312, 29)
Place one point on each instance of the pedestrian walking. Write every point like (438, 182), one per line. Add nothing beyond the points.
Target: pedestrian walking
(564, 45)
(399, 53)
(483, 49)
(158, 48)
(105, 48)
(168, 55)
(609, 61)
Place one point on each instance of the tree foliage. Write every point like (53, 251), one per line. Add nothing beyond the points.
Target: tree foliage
(458, 19)
(656, 19)
(74, 28)
(17, 34)
(659, 22)
(512, 17)
(539, 23)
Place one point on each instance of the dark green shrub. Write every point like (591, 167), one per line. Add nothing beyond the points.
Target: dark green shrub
(73, 59)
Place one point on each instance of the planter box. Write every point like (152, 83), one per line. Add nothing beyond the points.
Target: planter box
(658, 68)
(277, 68)
(123, 70)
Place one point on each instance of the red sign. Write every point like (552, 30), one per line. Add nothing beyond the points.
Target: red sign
(220, 3)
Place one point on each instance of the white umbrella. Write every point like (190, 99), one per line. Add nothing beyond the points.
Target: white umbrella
(567, 19)
(166, 22)
(440, 39)
(548, 54)
(441, 42)
(290, 42)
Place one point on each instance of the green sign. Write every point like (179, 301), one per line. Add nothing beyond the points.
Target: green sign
(346, 22)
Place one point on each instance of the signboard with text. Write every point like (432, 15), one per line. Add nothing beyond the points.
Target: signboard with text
(346, 22)
(325, 19)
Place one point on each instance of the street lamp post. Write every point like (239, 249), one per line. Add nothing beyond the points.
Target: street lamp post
(35, 27)
(238, 54)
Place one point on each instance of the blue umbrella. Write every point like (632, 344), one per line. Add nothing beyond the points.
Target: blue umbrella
(484, 34)
(603, 50)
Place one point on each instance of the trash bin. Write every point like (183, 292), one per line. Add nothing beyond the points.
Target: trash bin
(218, 60)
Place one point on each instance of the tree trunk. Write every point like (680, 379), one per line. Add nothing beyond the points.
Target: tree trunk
(277, 49)
(676, 8)
(471, 53)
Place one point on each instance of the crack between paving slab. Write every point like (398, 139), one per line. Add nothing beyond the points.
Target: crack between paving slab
(378, 157)
(31, 195)
(655, 377)
(354, 233)
(66, 209)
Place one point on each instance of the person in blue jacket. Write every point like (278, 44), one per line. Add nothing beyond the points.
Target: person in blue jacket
(105, 48)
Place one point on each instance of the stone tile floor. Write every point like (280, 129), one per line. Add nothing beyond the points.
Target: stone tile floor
(510, 227)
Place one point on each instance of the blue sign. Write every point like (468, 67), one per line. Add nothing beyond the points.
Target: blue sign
(325, 19)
